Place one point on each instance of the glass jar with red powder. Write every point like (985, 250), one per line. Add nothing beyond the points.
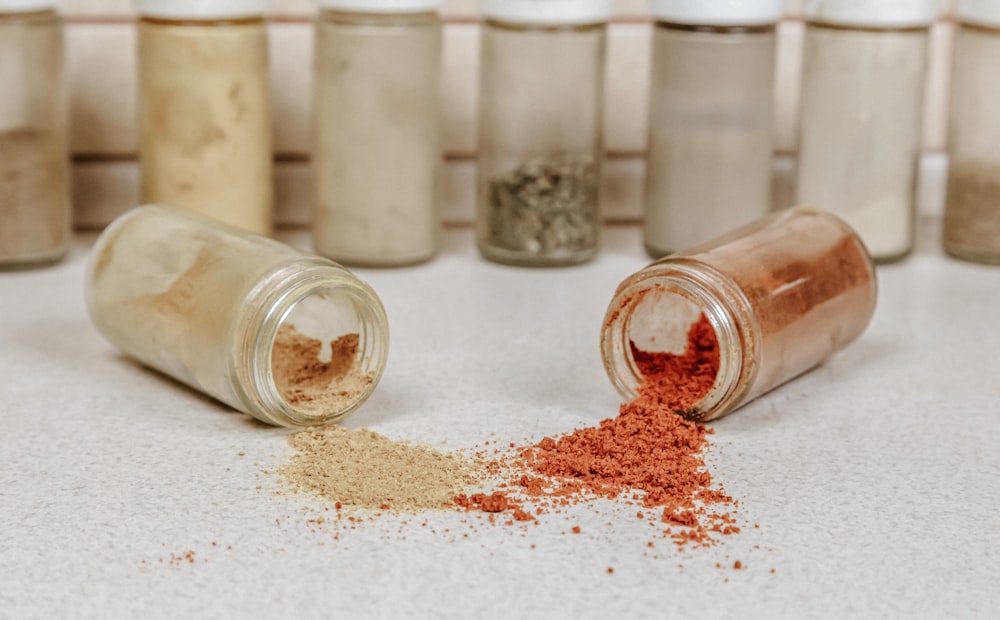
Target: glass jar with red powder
(737, 316)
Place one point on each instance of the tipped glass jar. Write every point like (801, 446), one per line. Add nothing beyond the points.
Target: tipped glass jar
(781, 294)
(35, 214)
(864, 66)
(289, 338)
(710, 120)
(972, 210)
(540, 115)
(377, 120)
(204, 109)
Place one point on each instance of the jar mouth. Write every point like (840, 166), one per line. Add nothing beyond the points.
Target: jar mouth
(318, 349)
(659, 314)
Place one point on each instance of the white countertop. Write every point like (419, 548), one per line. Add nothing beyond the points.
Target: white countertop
(875, 480)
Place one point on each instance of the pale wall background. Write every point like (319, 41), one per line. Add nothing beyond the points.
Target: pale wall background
(101, 49)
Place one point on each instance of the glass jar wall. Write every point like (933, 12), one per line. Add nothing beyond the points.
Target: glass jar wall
(377, 121)
(35, 214)
(540, 117)
(972, 210)
(204, 109)
(289, 338)
(864, 67)
(710, 120)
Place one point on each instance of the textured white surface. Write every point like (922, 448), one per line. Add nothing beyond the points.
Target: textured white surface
(875, 479)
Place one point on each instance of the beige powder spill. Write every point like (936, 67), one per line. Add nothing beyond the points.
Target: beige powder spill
(364, 469)
(305, 381)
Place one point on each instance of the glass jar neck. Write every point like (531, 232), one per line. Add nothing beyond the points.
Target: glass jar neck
(718, 299)
(220, 22)
(708, 29)
(360, 18)
(268, 305)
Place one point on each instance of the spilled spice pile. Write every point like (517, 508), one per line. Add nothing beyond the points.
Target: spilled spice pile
(366, 470)
(305, 381)
(649, 455)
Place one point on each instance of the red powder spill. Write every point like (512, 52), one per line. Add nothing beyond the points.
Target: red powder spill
(648, 453)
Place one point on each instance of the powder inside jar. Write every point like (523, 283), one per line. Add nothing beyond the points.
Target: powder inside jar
(304, 380)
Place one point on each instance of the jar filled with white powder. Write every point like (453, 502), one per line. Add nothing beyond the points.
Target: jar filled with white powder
(541, 94)
(204, 108)
(35, 214)
(287, 337)
(864, 68)
(377, 131)
(710, 120)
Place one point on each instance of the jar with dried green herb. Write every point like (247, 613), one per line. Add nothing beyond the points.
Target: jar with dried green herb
(35, 214)
(972, 211)
(540, 113)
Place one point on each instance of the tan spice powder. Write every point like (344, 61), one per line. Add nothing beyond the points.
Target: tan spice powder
(304, 380)
(363, 469)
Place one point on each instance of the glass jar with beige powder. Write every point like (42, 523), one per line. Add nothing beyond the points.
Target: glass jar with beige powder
(864, 67)
(287, 337)
(35, 213)
(204, 111)
(710, 120)
(377, 139)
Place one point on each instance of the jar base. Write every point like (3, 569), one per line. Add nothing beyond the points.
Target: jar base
(380, 263)
(523, 259)
(972, 256)
(33, 262)
(892, 258)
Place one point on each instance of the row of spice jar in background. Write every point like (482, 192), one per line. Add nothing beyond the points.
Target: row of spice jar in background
(205, 134)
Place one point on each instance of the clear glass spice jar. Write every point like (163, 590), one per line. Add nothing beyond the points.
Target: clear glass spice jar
(864, 65)
(377, 141)
(782, 294)
(204, 108)
(35, 214)
(287, 337)
(540, 135)
(710, 120)
(972, 209)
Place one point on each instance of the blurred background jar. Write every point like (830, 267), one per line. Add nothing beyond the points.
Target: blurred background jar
(377, 139)
(204, 109)
(710, 119)
(972, 210)
(35, 213)
(864, 68)
(540, 130)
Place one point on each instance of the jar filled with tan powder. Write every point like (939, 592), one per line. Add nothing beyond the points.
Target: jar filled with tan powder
(377, 121)
(972, 210)
(204, 109)
(541, 95)
(742, 313)
(287, 337)
(35, 214)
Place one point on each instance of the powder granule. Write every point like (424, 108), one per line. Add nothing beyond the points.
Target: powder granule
(363, 469)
